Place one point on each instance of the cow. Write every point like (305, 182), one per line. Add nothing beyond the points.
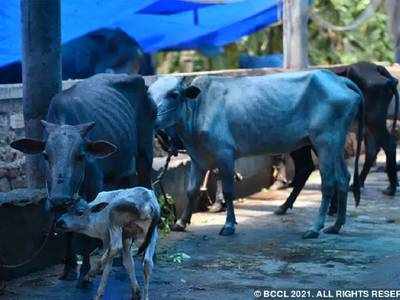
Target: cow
(100, 51)
(220, 119)
(119, 218)
(107, 116)
(378, 88)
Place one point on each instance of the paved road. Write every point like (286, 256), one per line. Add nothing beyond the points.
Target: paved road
(266, 253)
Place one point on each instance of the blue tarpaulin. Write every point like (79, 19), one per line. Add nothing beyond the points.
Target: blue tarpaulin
(216, 25)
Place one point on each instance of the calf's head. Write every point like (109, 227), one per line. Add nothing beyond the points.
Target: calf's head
(65, 150)
(170, 95)
(81, 218)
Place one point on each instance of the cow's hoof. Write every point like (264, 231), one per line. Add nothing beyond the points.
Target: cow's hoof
(332, 230)
(136, 294)
(310, 234)
(227, 230)
(389, 191)
(69, 275)
(83, 284)
(279, 185)
(178, 227)
(281, 210)
(216, 207)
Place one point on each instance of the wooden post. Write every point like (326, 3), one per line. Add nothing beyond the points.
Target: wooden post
(393, 11)
(295, 34)
(41, 71)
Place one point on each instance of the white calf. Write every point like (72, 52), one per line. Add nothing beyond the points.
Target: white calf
(119, 218)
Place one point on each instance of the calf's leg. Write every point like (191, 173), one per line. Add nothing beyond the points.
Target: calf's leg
(196, 175)
(115, 246)
(303, 166)
(148, 262)
(98, 266)
(129, 265)
(104, 276)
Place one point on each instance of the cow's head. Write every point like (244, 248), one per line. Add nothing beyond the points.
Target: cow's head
(65, 150)
(170, 94)
(80, 218)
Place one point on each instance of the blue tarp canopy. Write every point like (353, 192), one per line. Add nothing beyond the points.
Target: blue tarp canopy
(154, 24)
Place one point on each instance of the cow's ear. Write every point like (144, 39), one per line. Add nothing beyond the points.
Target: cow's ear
(100, 149)
(28, 146)
(85, 128)
(341, 70)
(98, 207)
(191, 92)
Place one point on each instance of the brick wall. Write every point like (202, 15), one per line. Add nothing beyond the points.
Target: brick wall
(11, 161)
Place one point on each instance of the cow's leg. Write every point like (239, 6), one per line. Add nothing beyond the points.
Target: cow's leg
(115, 246)
(389, 146)
(219, 204)
(334, 205)
(371, 151)
(148, 262)
(70, 263)
(226, 166)
(303, 166)
(88, 245)
(342, 188)
(196, 175)
(325, 147)
(129, 265)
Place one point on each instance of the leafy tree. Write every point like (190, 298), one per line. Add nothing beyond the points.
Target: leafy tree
(371, 41)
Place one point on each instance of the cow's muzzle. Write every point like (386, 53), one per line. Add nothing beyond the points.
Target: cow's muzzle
(60, 204)
(61, 225)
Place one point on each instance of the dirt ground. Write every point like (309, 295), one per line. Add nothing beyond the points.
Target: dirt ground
(266, 253)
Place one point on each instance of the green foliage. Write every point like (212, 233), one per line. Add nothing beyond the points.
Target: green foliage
(167, 213)
(371, 41)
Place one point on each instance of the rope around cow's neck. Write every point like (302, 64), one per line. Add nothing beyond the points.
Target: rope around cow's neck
(35, 254)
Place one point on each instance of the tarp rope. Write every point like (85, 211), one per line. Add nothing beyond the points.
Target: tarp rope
(364, 16)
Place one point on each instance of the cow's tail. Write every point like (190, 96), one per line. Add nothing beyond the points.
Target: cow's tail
(392, 82)
(360, 133)
(396, 106)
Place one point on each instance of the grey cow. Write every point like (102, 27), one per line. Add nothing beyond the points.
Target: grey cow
(106, 116)
(220, 119)
(119, 218)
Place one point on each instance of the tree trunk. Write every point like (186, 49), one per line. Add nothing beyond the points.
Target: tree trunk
(295, 34)
(393, 11)
(41, 71)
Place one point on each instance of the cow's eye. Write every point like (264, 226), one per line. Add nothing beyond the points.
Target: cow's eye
(45, 156)
(79, 157)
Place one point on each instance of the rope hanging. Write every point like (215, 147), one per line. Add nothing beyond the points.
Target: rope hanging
(363, 17)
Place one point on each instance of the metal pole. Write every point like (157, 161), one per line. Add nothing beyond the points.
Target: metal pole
(41, 71)
(295, 34)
